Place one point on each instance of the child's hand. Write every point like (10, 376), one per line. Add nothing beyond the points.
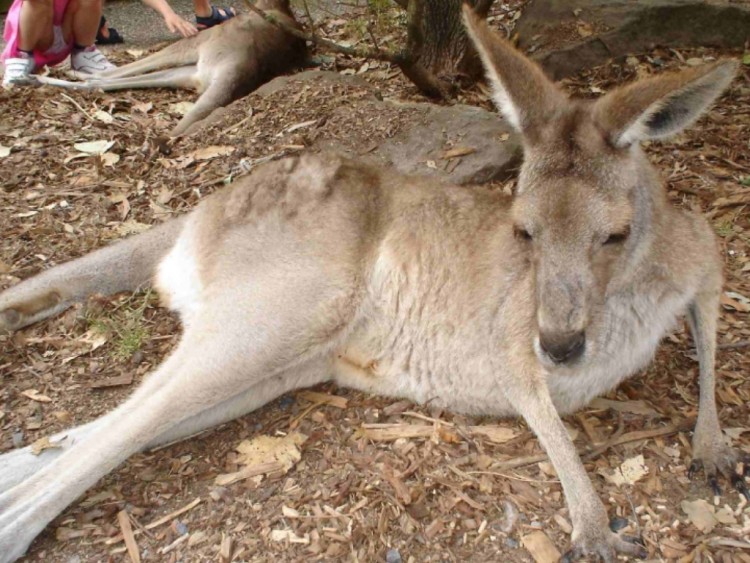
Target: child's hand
(176, 24)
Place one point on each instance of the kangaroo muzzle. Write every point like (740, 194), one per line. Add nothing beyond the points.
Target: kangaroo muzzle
(563, 347)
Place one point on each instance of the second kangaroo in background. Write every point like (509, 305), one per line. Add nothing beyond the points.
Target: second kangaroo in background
(319, 268)
(223, 63)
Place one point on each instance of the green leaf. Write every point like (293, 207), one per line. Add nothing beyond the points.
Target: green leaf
(745, 181)
(746, 59)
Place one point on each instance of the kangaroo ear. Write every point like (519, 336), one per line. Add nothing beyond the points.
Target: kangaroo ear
(661, 106)
(522, 93)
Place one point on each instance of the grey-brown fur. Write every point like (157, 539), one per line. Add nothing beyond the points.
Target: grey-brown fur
(320, 268)
(223, 63)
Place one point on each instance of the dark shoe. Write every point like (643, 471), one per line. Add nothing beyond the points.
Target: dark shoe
(218, 15)
(107, 35)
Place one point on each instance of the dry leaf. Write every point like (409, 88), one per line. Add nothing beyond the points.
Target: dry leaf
(181, 108)
(94, 147)
(495, 434)
(35, 395)
(630, 471)
(290, 536)
(540, 547)
(103, 116)
(701, 514)
(164, 195)
(131, 227)
(143, 107)
(4, 151)
(207, 153)
(110, 158)
(265, 454)
(263, 449)
(44, 444)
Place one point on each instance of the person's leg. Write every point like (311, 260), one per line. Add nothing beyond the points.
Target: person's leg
(80, 24)
(35, 25)
(202, 8)
(81, 21)
(30, 25)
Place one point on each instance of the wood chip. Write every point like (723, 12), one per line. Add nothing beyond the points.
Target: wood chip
(249, 471)
(127, 533)
(325, 398)
(403, 493)
(225, 551)
(540, 547)
(156, 523)
(124, 379)
(458, 151)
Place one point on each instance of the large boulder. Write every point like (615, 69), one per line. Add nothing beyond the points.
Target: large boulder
(465, 144)
(329, 111)
(567, 36)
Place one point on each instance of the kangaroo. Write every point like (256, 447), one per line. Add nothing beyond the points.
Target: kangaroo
(223, 63)
(319, 268)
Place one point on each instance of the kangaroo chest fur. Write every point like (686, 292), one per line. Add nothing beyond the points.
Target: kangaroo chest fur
(423, 337)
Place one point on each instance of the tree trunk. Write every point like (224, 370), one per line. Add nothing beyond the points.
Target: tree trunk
(438, 40)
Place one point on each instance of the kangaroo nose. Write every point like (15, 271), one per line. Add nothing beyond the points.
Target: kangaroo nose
(563, 347)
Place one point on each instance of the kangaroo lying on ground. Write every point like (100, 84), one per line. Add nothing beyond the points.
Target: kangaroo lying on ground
(223, 63)
(318, 268)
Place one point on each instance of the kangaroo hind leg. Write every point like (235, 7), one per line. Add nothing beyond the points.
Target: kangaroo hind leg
(246, 333)
(20, 464)
(183, 53)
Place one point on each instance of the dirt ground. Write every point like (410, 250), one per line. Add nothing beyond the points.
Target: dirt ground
(448, 494)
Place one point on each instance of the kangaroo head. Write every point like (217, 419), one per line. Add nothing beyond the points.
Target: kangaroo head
(587, 200)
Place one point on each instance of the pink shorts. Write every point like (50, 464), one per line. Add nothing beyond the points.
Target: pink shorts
(58, 51)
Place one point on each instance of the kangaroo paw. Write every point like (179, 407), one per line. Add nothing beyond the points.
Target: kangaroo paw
(719, 460)
(17, 315)
(607, 546)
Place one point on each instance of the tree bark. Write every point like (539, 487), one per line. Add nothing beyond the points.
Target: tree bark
(437, 39)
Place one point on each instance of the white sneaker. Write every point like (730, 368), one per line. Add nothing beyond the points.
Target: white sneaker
(18, 71)
(89, 61)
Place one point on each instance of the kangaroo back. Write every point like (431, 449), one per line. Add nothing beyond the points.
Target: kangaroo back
(123, 266)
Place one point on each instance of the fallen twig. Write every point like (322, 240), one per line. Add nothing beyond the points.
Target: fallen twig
(128, 536)
(163, 520)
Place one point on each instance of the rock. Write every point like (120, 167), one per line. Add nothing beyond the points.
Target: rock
(460, 143)
(465, 144)
(567, 36)
(313, 76)
(393, 556)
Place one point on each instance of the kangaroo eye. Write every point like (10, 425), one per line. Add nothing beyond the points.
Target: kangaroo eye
(521, 233)
(617, 238)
